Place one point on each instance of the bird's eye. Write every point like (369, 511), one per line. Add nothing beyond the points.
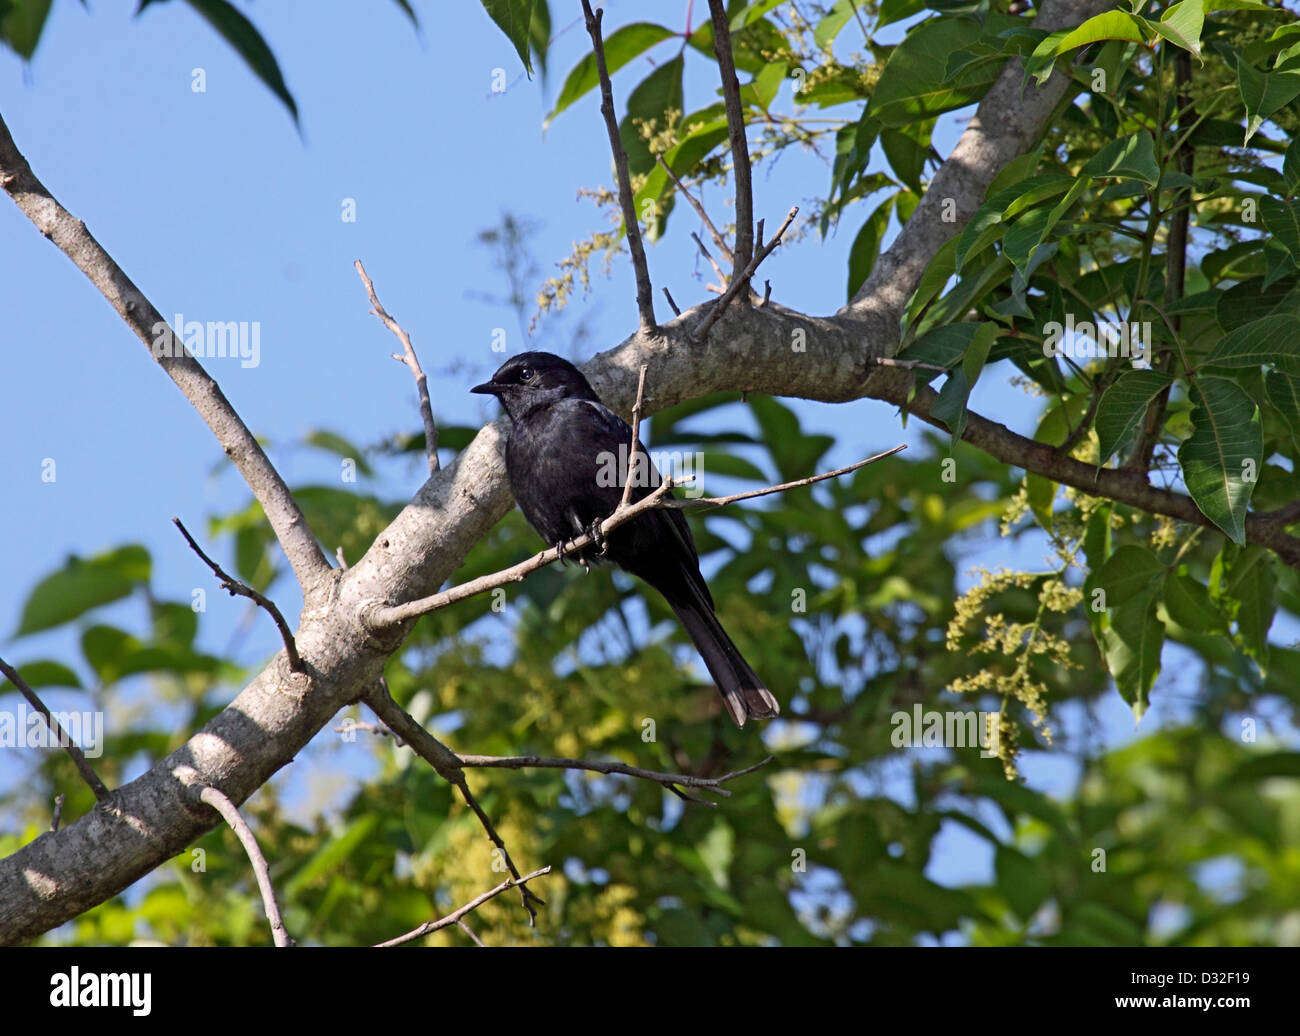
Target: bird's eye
(526, 374)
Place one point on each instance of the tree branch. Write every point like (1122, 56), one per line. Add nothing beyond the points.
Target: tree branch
(741, 281)
(237, 589)
(65, 742)
(740, 166)
(454, 918)
(412, 363)
(698, 206)
(644, 297)
(71, 237)
(248, 840)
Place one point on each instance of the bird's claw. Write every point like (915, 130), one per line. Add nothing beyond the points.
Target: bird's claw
(598, 537)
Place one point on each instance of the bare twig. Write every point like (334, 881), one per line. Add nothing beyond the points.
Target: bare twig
(470, 932)
(636, 442)
(722, 277)
(674, 782)
(909, 365)
(718, 239)
(669, 297)
(644, 298)
(741, 282)
(454, 917)
(739, 144)
(721, 501)
(72, 238)
(446, 764)
(238, 589)
(407, 356)
(385, 616)
(60, 735)
(58, 812)
(218, 801)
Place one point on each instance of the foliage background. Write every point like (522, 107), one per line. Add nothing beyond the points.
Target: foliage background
(915, 845)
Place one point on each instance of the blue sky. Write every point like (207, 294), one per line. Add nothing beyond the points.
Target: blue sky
(220, 210)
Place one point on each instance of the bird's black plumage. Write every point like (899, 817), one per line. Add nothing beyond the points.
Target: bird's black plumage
(563, 445)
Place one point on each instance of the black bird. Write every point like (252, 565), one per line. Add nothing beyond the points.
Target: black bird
(564, 444)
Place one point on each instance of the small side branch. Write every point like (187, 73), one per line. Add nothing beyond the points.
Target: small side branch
(78, 757)
(407, 356)
(454, 918)
(447, 765)
(230, 814)
(674, 782)
(636, 437)
(238, 589)
(698, 206)
(739, 143)
(741, 282)
(644, 296)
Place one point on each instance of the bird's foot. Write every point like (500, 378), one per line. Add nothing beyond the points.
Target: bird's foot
(598, 537)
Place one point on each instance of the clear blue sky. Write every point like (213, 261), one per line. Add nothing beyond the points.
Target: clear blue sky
(219, 210)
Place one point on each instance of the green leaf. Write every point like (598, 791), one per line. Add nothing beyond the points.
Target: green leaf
(82, 585)
(340, 447)
(1221, 459)
(1129, 158)
(1123, 406)
(830, 25)
(950, 407)
(620, 48)
(1283, 221)
(21, 22)
(1251, 300)
(1283, 391)
(1246, 586)
(1132, 638)
(240, 33)
(44, 673)
(984, 226)
(866, 246)
(1112, 25)
(1021, 881)
(1188, 602)
(1263, 93)
(1181, 25)
(1269, 340)
(649, 99)
(912, 87)
(515, 19)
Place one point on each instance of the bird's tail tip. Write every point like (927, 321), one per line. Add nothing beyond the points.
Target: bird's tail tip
(745, 703)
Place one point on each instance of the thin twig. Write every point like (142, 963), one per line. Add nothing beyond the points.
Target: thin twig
(58, 812)
(672, 781)
(721, 501)
(739, 143)
(909, 365)
(412, 362)
(722, 277)
(636, 442)
(644, 298)
(218, 801)
(470, 932)
(668, 296)
(454, 917)
(60, 735)
(740, 283)
(238, 589)
(446, 764)
(698, 206)
(382, 617)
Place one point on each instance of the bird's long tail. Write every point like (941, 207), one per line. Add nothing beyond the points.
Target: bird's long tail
(742, 690)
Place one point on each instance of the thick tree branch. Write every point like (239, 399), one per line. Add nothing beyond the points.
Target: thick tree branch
(71, 237)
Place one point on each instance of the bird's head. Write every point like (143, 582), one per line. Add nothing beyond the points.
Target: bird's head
(535, 379)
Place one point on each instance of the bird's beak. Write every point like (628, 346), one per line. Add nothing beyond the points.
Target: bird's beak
(488, 388)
